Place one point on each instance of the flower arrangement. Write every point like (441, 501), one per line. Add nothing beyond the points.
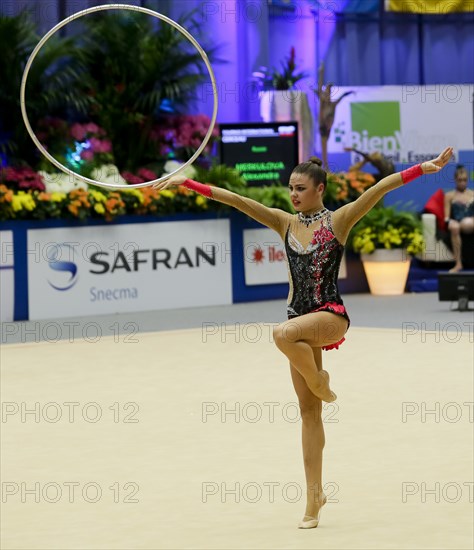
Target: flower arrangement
(80, 147)
(51, 199)
(344, 187)
(81, 204)
(179, 136)
(91, 202)
(23, 179)
(387, 227)
(280, 80)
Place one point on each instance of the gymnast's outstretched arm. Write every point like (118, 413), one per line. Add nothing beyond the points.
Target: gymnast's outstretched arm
(348, 215)
(274, 218)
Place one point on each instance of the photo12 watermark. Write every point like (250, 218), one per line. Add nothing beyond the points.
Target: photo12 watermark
(253, 333)
(450, 332)
(69, 412)
(268, 412)
(252, 492)
(450, 412)
(52, 332)
(435, 492)
(52, 492)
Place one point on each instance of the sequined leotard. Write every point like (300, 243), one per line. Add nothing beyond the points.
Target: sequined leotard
(313, 271)
(313, 250)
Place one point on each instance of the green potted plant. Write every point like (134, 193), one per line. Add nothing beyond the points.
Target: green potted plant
(136, 72)
(386, 238)
(281, 101)
(52, 90)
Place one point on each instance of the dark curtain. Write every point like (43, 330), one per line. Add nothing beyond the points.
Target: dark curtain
(375, 48)
(390, 49)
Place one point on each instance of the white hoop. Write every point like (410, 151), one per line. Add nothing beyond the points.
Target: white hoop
(116, 7)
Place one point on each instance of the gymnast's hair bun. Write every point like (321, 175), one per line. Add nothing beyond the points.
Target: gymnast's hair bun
(316, 160)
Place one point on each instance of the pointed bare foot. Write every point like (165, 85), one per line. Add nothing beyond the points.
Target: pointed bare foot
(327, 394)
(310, 521)
(456, 268)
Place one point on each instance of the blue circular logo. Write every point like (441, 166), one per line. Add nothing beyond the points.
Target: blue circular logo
(61, 260)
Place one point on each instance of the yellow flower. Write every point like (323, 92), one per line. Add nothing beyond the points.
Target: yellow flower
(368, 247)
(57, 197)
(29, 202)
(166, 193)
(201, 201)
(99, 208)
(97, 195)
(23, 201)
(16, 203)
(136, 193)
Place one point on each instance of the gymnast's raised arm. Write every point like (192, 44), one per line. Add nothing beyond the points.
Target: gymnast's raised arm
(273, 218)
(348, 215)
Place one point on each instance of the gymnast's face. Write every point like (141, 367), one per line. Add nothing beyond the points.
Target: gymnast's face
(304, 194)
(461, 180)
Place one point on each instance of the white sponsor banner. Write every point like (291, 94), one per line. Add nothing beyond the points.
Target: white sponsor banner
(408, 123)
(7, 280)
(129, 267)
(265, 258)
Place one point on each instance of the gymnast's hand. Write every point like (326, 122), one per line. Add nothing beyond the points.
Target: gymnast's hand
(435, 165)
(170, 182)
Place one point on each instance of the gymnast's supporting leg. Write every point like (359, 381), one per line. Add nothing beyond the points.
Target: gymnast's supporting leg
(296, 338)
(313, 443)
(455, 231)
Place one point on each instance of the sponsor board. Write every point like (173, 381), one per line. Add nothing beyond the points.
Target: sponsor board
(7, 281)
(408, 124)
(128, 267)
(264, 257)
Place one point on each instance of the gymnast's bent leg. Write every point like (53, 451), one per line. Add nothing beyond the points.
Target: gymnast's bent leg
(296, 338)
(313, 443)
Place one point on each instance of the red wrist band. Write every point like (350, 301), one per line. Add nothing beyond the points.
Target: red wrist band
(411, 173)
(201, 188)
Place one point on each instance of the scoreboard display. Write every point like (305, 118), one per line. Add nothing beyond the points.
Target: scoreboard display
(265, 153)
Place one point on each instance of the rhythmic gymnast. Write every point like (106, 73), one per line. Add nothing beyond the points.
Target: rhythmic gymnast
(459, 213)
(314, 240)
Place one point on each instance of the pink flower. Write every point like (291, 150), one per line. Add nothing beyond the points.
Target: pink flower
(91, 128)
(78, 132)
(100, 146)
(96, 145)
(87, 154)
(106, 146)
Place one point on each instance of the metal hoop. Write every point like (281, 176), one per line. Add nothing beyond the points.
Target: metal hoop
(116, 7)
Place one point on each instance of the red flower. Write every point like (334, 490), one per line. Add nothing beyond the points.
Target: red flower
(130, 178)
(148, 175)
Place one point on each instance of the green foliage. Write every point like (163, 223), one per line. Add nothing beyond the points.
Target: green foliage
(272, 196)
(288, 77)
(52, 86)
(222, 176)
(116, 71)
(131, 67)
(284, 79)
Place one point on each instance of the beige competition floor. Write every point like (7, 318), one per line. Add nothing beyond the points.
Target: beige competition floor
(135, 445)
